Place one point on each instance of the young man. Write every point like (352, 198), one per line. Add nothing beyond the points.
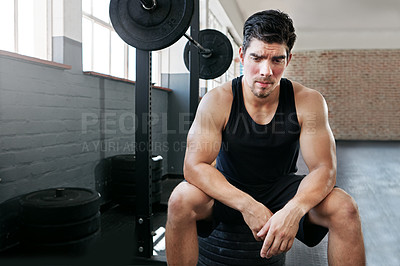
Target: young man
(254, 127)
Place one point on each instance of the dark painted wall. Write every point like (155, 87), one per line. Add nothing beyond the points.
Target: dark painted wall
(58, 127)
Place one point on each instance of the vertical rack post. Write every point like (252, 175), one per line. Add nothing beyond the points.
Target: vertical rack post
(143, 151)
(194, 63)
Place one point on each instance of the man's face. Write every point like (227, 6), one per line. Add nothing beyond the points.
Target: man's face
(263, 65)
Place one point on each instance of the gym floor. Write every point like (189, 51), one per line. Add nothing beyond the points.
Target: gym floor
(369, 171)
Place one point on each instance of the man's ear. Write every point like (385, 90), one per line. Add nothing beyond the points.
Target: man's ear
(241, 54)
(289, 58)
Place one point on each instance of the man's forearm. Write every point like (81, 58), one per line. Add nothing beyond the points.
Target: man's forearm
(313, 189)
(215, 185)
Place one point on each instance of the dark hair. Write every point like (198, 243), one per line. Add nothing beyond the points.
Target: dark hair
(270, 26)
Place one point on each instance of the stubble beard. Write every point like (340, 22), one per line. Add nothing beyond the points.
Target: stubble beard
(262, 93)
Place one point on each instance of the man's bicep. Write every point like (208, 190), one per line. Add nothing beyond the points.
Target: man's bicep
(316, 139)
(202, 145)
(318, 149)
(205, 134)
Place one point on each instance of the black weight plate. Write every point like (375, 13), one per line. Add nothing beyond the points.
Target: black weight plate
(235, 228)
(221, 58)
(244, 253)
(234, 244)
(60, 232)
(127, 200)
(156, 187)
(124, 189)
(204, 261)
(151, 30)
(227, 257)
(9, 223)
(73, 247)
(157, 175)
(123, 177)
(240, 237)
(156, 197)
(157, 162)
(74, 205)
(128, 162)
(224, 260)
(123, 162)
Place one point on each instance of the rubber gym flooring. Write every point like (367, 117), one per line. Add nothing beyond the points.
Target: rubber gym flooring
(369, 171)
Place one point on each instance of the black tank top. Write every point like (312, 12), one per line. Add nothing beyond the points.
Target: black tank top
(252, 154)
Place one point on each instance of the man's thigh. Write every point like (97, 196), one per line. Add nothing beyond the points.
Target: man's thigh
(318, 219)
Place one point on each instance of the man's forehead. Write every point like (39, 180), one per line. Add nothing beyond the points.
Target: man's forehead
(259, 46)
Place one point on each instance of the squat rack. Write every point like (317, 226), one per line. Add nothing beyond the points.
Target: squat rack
(143, 136)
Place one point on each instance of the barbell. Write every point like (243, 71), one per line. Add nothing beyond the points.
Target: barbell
(156, 24)
(215, 60)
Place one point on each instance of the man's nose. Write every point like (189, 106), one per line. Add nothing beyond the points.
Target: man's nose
(266, 69)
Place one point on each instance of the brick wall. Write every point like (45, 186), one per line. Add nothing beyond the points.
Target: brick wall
(361, 87)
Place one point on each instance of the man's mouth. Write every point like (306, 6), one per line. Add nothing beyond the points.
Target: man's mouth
(264, 83)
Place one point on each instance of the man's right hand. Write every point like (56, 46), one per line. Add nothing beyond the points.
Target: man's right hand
(256, 215)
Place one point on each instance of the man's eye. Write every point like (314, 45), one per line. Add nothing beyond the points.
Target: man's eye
(255, 58)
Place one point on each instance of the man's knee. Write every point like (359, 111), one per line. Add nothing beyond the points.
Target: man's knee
(178, 206)
(345, 210)
(187, 202)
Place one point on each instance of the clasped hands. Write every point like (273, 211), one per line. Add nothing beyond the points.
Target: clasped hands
(276, 230)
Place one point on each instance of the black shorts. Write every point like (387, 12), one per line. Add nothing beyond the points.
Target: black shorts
(274, 197)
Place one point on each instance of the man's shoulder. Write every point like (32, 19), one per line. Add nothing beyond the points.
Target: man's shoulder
(215, 106)
(305, 95)
(220, 95)
(309, 102)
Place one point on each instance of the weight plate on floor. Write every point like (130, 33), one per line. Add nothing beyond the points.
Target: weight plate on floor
(151, 29)
(221, 58)
(59, 205)
(125, 200)
(157, 174)
(156, 186)
(73, 247)
(57, 233)
(156, 197)
(9, 223)
(125, 189)
(123, 162)
(123, 177)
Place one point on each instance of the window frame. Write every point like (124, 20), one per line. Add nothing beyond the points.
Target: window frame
(49, 31)
(127, 50)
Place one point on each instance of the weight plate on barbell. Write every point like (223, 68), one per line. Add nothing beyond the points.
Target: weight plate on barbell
(151, 30)
(221, 58)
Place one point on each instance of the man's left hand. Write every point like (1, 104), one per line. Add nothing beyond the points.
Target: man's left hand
(279, 232)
